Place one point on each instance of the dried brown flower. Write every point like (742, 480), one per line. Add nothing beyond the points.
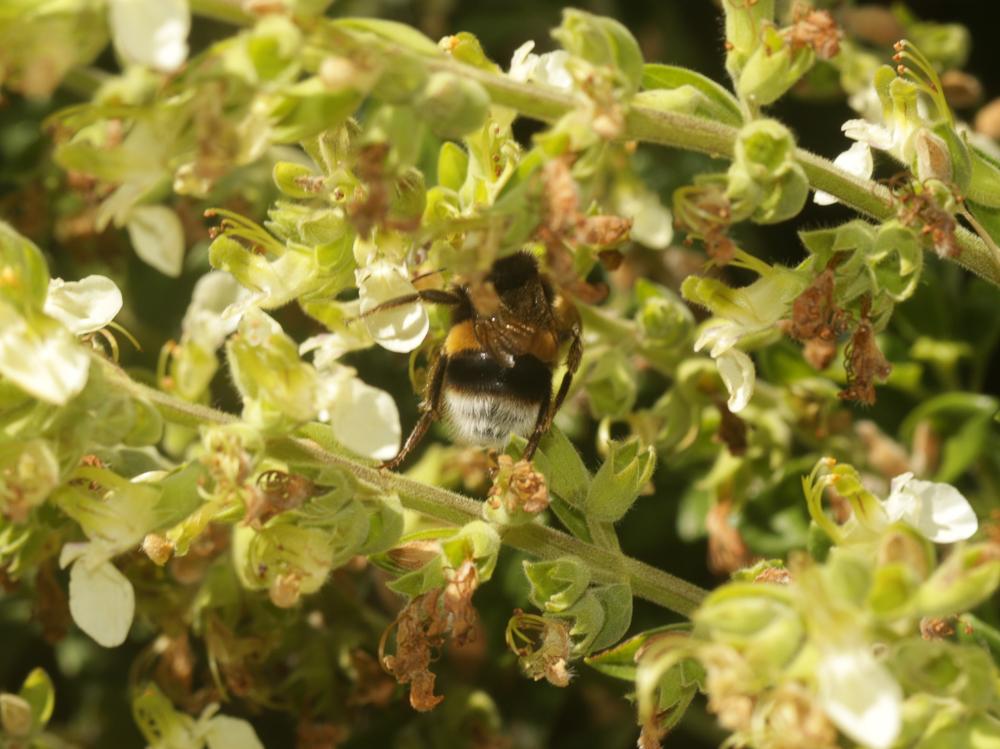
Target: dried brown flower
(885, 455)
(518, 486)
(727, 551)
(462, 617)
(51, 605)
(276, 492)
(563, 222)
(542, 645)
(421, 630)
(817, 321)
(775, 575)
(815, 29)
(936, 628)
(704, 212)
(372, 686)
(864, 364)
(732, 430)
(791, 719)
(918, 208)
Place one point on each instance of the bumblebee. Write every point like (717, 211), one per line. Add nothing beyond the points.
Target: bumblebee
(493, 374)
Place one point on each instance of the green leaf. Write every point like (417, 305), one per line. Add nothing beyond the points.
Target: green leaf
(720, 105)
(392, 31)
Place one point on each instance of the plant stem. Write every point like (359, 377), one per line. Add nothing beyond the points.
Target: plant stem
(692, 133)
(606, 565)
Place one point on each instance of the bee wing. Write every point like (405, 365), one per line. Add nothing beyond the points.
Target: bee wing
(504, 336)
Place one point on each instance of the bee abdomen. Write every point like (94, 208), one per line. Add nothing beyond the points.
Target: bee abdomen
(486, 402)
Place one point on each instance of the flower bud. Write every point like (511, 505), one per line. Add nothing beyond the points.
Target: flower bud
(308, 107)
(556, 584)
(745, 22)
(611, 385)
(617, 484)
(757, 620)
(773, 68)
(765, 181)
(453, 106)
(296, 180)
(967, 577)
(15, 715)
(603, 42)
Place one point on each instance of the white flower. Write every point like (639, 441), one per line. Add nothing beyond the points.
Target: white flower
(652, 222)
(83, 306)
(938, 511)
(860, 696)
(363, 418)
(206, 321)
(735, 367)
(856, 160)
(151, 32)
(548, 69)
(401, 328)
(157, 237)
(41, 356)
(101, 599)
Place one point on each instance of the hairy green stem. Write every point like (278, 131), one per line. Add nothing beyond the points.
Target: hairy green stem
(606, 564)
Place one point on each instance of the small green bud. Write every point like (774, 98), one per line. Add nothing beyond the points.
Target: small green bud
(745, 22)
(296, 180)
(759, 621)
(309, 107)
(465, 47)
(765, 182)
(557, 584)
(15, 715)
(611, 385)
(409, 198)
(946, 670)
(967, 577)
(772, 69)
(453, 106)
(621, 477)
(452, 166)
(602, 42)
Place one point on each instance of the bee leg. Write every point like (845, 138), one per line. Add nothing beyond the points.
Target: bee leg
(431, 296)
(573, 358)
(542, 424)
(431, 408)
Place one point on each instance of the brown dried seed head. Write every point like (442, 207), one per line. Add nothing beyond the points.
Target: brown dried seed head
(864, 364)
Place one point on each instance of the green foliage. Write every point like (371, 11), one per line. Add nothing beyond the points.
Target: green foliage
(271, 209)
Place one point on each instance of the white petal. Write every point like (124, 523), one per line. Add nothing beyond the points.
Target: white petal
(206, 321)
(151, 32)
(522, 63)
(399, 329)
(101, 601)
(938, 511)
(158, 238)
(718, 336)
(83, 306)
(551, 69)
(856, 160)
(652, 222)
(860, 696)
(224, 732)
(738, 374)
(875, 136)
(42, 357)
(366, 420)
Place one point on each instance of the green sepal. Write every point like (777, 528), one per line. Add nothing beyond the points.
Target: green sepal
(968, 576)
(428, 577)
(560, 463)
(616, 599)
(475, 540)
(619, 661)
(556, 584)
(602, 42)
(309, 107)
(714, 102)
(452, 166)
(621, 477)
